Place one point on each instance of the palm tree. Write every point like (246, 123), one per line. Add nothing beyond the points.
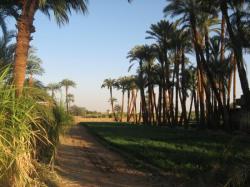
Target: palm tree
(71, 99)
(110, 83)
(190, 11)
(162, 34)
(33, 66)
(138, 54)
(236, 33)
(149, 57)
(53, 87)
(122, 84)
(67, 84)
(117, 109)
(24, 12)
(129, 87)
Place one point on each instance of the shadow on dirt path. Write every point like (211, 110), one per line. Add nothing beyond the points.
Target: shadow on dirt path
(82, 161)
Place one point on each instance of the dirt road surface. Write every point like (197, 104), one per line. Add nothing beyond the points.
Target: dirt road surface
(83, 162)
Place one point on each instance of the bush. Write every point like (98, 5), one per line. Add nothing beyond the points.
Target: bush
(29, 132)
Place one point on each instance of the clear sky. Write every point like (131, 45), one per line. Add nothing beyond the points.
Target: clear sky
(94, 47)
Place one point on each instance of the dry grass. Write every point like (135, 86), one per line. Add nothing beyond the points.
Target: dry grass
(81, 119)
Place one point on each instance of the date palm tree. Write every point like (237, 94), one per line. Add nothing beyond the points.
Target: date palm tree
(162, 34)
(67, 84)
(24, 12)
(138, 54)
(71, 99)
(148, 71)
(236, 33)
(53, 87)
(33, 65)
(121, 84)
(110, 83)
(190, 11)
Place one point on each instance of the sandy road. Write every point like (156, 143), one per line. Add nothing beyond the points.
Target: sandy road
(84, 162)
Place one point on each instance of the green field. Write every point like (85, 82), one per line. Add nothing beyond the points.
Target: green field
(190, 156)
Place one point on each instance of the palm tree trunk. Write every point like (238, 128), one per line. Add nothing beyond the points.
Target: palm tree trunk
(159, 109)
(184, 110)
(112, 102)
(177, 92)
(237, 47)
(196, 106)
(67, 100)
(201, 98)
(155, 107)
(135, 108)
(25, 29)
(128, 105)
(229, 86)
(140, 112)
(143, 99)
(164, 107)
(166, 89)
(131, 106)
(234, 84)
(222, 51)
(203, 65)
(190, 109)
(123, 92)
(207, 89)
(171, 99)
(168, 100)
(152, 104)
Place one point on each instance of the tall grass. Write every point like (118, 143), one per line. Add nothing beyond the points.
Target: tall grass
(29, 131)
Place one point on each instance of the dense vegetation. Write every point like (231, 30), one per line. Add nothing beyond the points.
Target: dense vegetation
(197, 53)
(30, 127)
(188, 157)
(30, 119)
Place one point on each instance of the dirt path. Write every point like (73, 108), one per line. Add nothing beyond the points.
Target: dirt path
(82, 161)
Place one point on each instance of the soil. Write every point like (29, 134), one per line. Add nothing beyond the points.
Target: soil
(83, 162)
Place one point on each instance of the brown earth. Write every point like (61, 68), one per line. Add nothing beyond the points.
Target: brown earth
(81, 119)
(83, 162)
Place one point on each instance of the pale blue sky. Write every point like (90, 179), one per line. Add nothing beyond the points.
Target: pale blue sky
(94, 47)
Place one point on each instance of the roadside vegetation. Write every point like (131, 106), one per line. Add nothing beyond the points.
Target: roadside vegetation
(31, 119)
(187, 157)
(30, 127)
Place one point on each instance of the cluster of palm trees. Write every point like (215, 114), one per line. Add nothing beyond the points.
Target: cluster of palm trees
(66, 83)
(125, 84)
(215, 33)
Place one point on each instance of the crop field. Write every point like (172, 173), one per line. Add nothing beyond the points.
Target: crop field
(190, 156)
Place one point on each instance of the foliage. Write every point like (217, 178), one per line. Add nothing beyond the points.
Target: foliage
(29, 126)
(34, 63)
(21, 128)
